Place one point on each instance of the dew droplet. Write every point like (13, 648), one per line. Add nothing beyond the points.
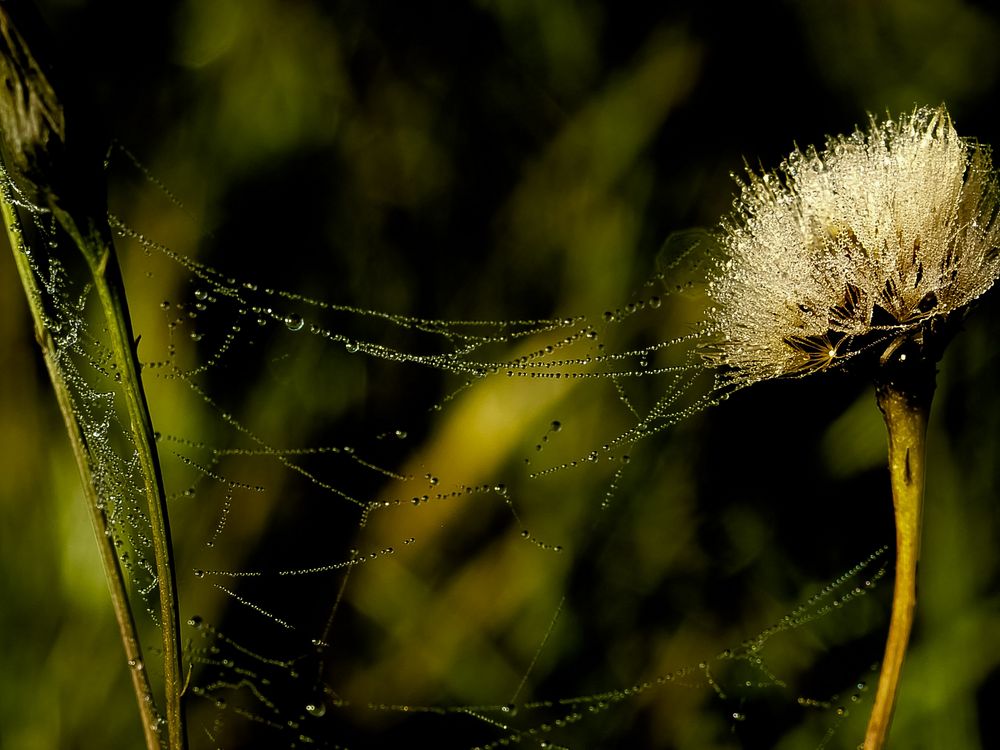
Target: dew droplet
(294, 322)
(316, 709)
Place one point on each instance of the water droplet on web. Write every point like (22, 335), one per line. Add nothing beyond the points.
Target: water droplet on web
(294, 322)
(195, 621)
(556, 425)
(351, 347)
(200, 294)
(199, 573)
(316, 709)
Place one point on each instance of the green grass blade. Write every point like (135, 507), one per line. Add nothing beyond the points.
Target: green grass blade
(42, 169)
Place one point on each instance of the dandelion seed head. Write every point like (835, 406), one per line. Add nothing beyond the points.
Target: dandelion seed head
(873, 241)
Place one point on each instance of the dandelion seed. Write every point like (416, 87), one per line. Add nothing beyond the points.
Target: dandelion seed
(875, 243)
(864, 254)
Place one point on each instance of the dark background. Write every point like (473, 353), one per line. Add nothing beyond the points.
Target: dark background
(502, 160)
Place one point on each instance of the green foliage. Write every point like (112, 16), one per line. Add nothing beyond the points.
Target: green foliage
(499, 161)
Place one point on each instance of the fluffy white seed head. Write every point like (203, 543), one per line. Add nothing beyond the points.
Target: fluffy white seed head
(873, 241)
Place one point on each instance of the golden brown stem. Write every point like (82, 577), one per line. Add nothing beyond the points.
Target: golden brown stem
(905, 411)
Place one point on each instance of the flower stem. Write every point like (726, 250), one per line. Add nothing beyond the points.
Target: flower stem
(905, 406)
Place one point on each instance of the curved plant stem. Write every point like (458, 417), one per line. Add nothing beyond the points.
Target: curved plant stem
(109, 559)
(94, 243)
(906, 410)
(52, 173)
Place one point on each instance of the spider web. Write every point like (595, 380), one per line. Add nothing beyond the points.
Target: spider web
(497, 562)
(441, 460)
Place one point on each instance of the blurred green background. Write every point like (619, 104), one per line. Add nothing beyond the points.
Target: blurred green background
(499, 160)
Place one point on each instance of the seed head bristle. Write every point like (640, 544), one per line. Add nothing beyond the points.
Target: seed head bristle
(875, 240)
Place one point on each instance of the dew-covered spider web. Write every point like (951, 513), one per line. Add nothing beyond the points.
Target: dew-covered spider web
(445, 464)
(394, 530)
